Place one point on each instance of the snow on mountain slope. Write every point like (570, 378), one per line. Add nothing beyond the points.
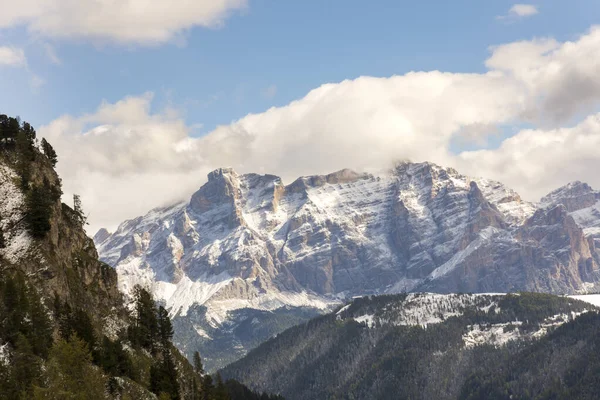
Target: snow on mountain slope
(593, 299)
(252, 242)
(423, 309)
(496, 325)
(12, 205)
(582, 202)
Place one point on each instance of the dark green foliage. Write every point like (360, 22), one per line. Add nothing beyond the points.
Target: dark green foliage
(71, 374)
(144, 332)
(26, 329)
(198, 368)
(163, 376)
(78, 209)
(39, 212)
(334, 356)
(237, 391)
(208, 388)
(18, 141)
(165, 328)
(39, 203)
(23, 315)
(76, 322)
(220, 390)
(113, 359)
(7, 131)
(49, 152)
(563, 365)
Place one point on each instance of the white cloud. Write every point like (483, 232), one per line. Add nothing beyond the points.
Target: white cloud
(523, 10)
(537, 161)
(519, 11)
(124, 21)
(12, 57)
(123, 159)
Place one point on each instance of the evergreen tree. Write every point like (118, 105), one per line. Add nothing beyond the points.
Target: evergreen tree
(39, 211)
(198, 368)
(163, 376)
(25, 155)
(165, 328)
(25, 368)
(71, 374)
(3, 129)
(208, 388)
(15, 305)
(40, 333)
(12, 128)
(79, 209)
(49, 152)
(220, 389)
(29, 132)
(145, 330)
(113, 359)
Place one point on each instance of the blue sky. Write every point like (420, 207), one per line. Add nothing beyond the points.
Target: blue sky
(143, 98)
(273, 52)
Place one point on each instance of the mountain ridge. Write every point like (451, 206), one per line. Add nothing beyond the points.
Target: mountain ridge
(251, 242)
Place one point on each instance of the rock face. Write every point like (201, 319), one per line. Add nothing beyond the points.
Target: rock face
(249, 241)
(65, 262)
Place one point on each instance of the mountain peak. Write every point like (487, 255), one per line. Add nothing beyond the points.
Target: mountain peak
(574, 196)
(101, 235)
(222, 172)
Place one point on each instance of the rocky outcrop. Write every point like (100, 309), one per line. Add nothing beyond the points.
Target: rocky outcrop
(65, 262)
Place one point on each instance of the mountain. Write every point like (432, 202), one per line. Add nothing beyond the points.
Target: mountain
(66, 331)
(434, 346)
(248, 252)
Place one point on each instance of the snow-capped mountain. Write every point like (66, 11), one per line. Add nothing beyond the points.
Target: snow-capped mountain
(250, 242)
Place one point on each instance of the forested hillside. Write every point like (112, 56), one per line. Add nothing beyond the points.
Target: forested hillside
(65, 332)
(428, 346)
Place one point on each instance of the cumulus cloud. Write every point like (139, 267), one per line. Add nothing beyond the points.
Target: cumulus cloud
(12, 57)
(125, 159)
(536, 161)
(124, 21)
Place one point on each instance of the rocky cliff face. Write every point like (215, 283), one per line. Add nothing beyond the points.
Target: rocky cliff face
(250, 241)
(65, 262)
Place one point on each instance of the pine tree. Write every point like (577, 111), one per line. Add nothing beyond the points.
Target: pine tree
(145, 330)
(71, 374)
(49, 152)
(25, 368)
(25, 155)
(79, 209)
(208, 388)
(220, 390)
(39, 211)
(165, 328)
(40, 328)
(198, 368)
(163, 376)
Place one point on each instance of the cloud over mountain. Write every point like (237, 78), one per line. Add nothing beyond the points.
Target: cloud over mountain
(124, 150)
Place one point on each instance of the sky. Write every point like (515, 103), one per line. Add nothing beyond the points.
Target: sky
(142, 98)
